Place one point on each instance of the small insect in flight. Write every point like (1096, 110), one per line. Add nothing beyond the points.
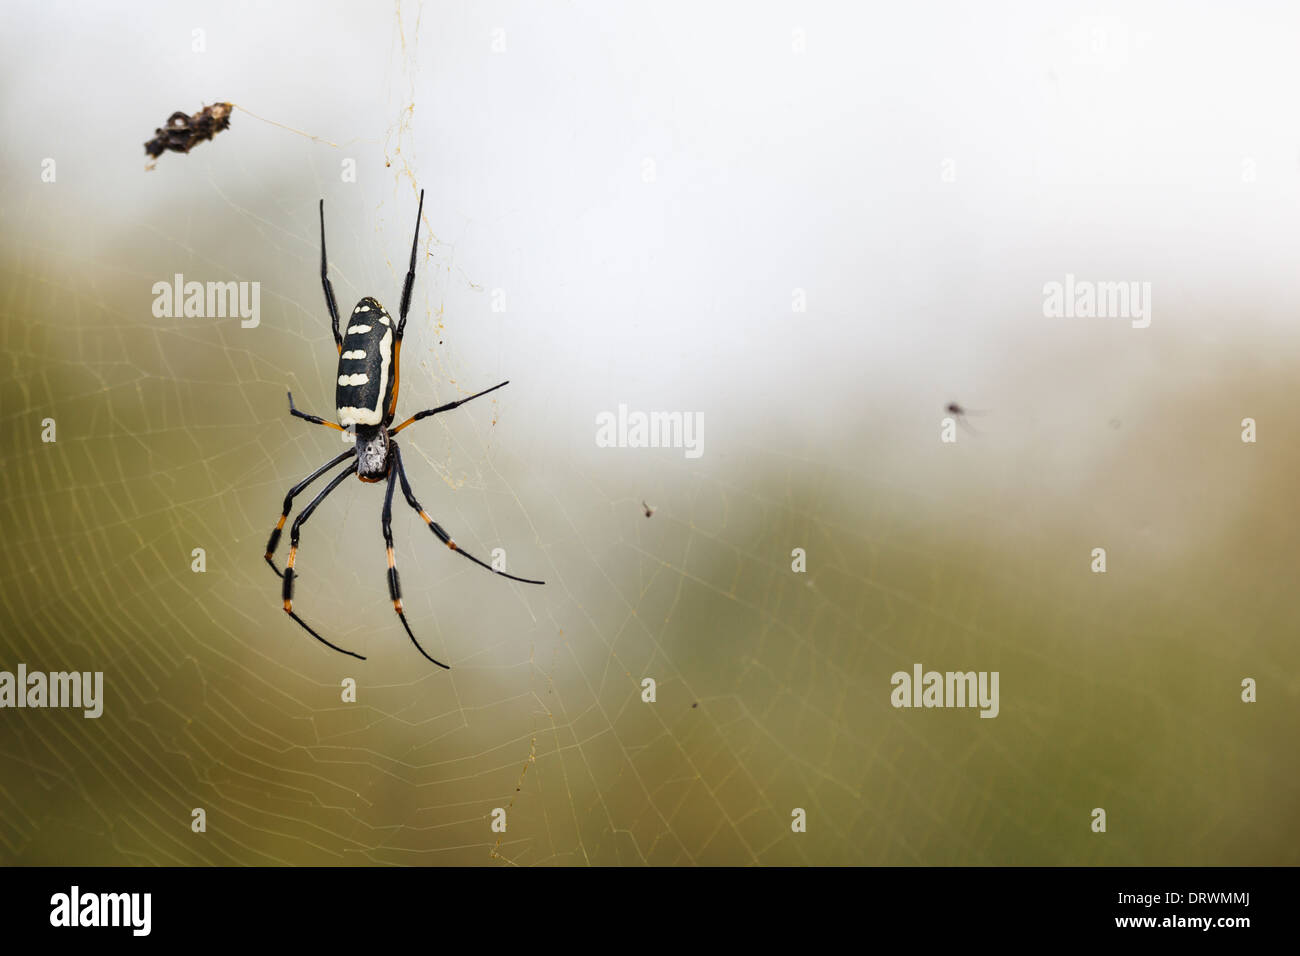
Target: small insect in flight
(366, 400)
(648, 510)
(960, 414)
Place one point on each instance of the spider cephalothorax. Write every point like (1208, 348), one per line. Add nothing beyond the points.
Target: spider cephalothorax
(366, 401)
(372, 453)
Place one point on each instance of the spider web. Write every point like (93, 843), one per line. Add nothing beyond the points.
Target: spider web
(772, 172)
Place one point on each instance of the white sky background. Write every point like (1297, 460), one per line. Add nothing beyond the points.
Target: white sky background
(1130, 141)
(1104, 140)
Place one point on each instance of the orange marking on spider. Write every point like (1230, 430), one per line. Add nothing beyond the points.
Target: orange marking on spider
(397, 377)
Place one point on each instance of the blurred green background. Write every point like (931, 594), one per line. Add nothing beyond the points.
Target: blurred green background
(647, 192)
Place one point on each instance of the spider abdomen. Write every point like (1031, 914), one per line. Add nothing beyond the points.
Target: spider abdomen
(367, 379)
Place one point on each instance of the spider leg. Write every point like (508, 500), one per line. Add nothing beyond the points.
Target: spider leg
(314, 419)
(274, 541)
(394, 586)
(410, 273)
(437, 528)
(325, 282)
(443, 408)
(293, 554)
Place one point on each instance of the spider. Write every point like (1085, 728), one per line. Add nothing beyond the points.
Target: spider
(366, 400)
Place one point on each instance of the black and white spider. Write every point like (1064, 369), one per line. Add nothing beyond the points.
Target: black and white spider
(366, 400)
